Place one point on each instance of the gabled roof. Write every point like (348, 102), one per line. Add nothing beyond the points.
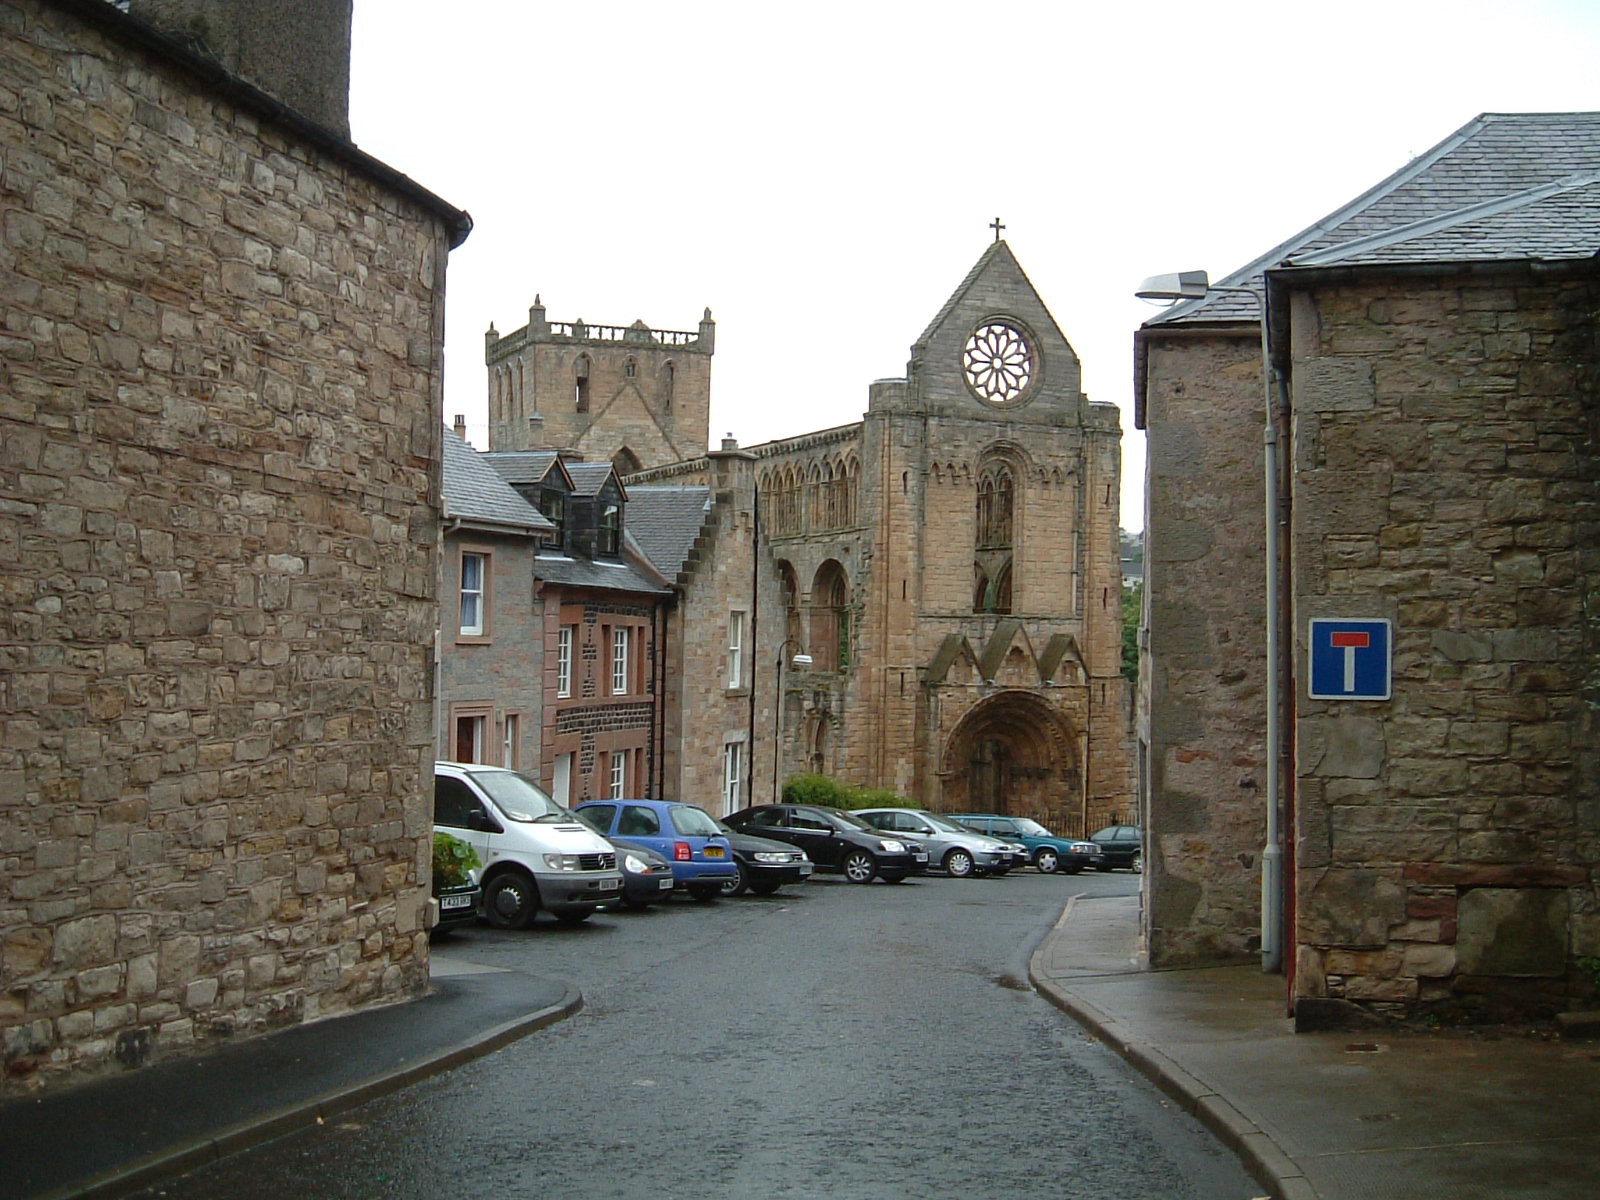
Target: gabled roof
(997, 249)
(528, 467)
(475, 495)
(589, 477)
(665, 521)
(1505, 187)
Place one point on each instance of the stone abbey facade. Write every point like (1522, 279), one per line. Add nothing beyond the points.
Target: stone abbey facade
(949, 564)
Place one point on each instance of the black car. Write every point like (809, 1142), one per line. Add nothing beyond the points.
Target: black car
(646, 875)
(834, 840)
(764, 865)
(1120, 846)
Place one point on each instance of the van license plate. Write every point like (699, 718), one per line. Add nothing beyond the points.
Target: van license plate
(455, 902)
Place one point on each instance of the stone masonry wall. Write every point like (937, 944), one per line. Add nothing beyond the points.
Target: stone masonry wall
(219, 476)
(1446, 479)
(1205, 659)
(710, 710)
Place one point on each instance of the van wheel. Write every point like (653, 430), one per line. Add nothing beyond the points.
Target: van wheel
(510, 900)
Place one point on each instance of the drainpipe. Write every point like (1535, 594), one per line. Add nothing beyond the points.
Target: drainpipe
(1276, 445)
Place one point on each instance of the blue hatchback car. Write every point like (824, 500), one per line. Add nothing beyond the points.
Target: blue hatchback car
(686, 836)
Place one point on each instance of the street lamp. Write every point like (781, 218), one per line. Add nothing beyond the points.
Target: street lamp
(798, 661)
(1195, 285)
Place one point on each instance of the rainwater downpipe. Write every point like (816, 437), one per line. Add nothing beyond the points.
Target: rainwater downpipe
(1276, 444)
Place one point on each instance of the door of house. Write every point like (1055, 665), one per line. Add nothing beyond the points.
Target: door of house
(561, 785)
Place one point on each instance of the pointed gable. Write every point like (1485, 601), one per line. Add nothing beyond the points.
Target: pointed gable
(995, 319)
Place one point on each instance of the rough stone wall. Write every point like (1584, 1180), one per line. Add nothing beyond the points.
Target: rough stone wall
(298, 50)
(709, 710)
(500, 673)
(820, 695)
(1205, 656)
(219, 467)
(1446, 479)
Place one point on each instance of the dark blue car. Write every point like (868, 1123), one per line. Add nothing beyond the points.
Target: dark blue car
(686, 836)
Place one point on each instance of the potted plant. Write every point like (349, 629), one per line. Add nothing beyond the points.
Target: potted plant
(454, 887)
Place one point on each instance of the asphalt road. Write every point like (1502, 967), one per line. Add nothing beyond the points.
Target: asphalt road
(833, 1040)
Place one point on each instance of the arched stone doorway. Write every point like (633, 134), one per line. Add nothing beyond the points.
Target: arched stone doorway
(1013, 754)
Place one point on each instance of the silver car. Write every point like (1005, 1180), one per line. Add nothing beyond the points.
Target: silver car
(954, 848)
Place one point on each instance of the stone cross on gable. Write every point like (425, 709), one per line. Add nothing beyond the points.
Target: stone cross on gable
(997, 227)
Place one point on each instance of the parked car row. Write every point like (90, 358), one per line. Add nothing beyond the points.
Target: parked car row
(534, 855)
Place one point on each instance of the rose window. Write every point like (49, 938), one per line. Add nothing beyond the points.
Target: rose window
(998, 362)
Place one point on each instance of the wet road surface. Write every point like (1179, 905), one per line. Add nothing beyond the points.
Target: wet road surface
(833, 1040)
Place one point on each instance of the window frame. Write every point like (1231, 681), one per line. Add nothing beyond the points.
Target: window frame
(736, 657)
(482, 630)
(566, 637)
(621, 655)
(733, 775)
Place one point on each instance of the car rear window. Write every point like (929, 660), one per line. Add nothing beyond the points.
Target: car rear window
(692, 822)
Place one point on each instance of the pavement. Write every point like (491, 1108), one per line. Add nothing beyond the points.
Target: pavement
(1378, 1114)
(1375, 1115)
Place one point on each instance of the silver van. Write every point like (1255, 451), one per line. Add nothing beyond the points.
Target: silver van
(535, 854)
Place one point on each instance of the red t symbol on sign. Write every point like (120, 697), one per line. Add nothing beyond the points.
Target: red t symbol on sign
(1350, 641)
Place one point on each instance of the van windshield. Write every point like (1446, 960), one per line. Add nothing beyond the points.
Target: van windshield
(519, 797)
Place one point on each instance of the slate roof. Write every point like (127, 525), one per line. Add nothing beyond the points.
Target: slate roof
(554, 566)
(474, 493)
(523, 466)
(589, 477)
(665, 521)
(1505, 187)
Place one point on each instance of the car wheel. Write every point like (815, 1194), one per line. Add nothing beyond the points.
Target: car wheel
(705, 892)
(510, 900)
(740, 883)
(1136, 863)
(859, 866)
(1047, 861)
(893, 877)
(958, 864)
(765, 889)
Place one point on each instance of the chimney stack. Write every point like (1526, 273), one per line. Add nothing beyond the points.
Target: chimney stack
(295, 50)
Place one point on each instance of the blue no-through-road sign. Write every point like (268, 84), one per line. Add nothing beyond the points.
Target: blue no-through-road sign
(1352, 658)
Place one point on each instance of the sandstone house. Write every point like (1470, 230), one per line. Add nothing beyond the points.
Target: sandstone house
(1433, 369)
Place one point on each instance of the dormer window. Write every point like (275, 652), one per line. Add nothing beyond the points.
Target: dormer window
(553, 504)
(609, 533)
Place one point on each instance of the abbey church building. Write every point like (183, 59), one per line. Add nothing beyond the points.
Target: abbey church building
(949, 564)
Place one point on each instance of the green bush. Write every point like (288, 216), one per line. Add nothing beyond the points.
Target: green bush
(827, 791)
(812, 789)
(453, 860)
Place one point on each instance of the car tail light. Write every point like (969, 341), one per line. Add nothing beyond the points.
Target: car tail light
(681, 852)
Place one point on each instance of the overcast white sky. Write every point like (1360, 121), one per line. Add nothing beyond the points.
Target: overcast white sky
(822, 175)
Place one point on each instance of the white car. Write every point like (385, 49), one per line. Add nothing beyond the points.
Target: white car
(535, 854)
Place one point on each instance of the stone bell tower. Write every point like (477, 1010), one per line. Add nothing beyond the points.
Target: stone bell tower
(630, 395)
